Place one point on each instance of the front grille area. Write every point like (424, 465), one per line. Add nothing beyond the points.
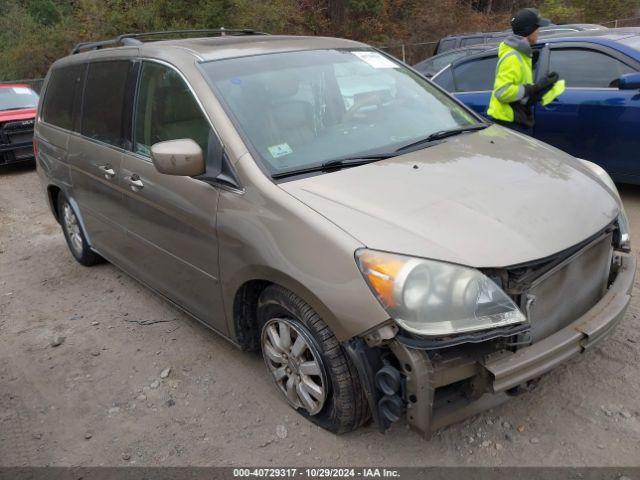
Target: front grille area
(16, 141)
(569, 289)
(20, 137)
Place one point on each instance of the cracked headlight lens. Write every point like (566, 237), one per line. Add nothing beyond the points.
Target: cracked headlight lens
(432, 298)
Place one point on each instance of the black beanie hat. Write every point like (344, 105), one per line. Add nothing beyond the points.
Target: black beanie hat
(526, 21)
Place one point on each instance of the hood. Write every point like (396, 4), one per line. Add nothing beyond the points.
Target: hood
(491, 198)
(22, 114)
(516, 42)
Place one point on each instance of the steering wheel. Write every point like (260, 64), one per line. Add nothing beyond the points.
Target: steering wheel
(367, 101)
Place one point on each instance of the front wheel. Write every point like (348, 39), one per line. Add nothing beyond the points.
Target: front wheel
(307, 363)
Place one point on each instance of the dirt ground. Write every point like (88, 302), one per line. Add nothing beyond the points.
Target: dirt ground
(99, 397)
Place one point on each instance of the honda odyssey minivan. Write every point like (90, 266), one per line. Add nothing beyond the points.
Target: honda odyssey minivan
(390, 254)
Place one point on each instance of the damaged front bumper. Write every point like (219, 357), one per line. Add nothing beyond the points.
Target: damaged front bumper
(437, 390)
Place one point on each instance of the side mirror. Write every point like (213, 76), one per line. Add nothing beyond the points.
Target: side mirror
(629, 81)
(181, 157)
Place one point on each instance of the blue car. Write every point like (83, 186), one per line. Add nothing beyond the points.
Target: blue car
(598, 116)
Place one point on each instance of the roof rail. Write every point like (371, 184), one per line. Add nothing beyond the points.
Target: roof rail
(134, 38)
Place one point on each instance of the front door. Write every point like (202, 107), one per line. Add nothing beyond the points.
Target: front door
(171, 220)
(593, 119)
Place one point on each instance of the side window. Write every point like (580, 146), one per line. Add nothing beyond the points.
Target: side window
(446, 45)
(586, 68)
(471, 41)
(443, 60)
(445, 80)
(497, 39)
(166, 110)
(62, 97)
(476, 75)
(103, 111)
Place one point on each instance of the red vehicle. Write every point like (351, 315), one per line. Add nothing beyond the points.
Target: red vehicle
(18, 104)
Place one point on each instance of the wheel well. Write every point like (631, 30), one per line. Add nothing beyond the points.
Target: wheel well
(53, 193)
(245, 306)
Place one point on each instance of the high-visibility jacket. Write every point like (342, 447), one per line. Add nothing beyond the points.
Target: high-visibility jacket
(514, 70)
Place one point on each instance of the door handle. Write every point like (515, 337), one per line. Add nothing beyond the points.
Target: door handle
(107, 171)
(552, 105)
(134, 182)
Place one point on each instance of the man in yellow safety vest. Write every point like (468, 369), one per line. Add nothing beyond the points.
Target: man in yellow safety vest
(514, 91)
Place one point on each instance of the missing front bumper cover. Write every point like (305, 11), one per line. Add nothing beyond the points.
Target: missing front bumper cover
(500, 372)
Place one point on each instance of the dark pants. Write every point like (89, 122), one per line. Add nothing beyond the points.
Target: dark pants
(516, 127)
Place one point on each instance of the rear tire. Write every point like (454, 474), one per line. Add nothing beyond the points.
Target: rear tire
(342, 405)
(73, 234)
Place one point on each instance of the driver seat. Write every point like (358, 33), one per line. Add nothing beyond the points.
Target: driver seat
(291, 119)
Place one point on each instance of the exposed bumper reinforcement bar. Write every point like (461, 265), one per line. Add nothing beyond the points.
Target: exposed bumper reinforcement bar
(530, 362)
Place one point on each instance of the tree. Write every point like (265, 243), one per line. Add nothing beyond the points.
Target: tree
(560, 12)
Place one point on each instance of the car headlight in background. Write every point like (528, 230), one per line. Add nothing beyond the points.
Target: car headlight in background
(428, 297)
(623, 225)
(623, 221)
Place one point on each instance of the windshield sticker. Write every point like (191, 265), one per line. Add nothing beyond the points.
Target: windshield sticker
(375, 60)
(21, 91)
(281, 150)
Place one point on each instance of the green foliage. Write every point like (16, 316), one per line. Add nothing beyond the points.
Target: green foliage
(560, 12)
(44, 12)
(590, 11)
(372, 7)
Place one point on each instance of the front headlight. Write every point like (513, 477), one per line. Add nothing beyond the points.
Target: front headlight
(623, 221)
(434, 298)
(623, 226)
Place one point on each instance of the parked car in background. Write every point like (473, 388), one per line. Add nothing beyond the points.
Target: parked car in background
(464, 40)
(18, 104)
(430, 66)
(598, 116)
(391, 254)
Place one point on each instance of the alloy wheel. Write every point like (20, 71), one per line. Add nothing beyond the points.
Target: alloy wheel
(295, 364)
(73, 228)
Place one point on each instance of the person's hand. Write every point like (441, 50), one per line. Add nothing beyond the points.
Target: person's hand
(535, 91)
(545, 82)
(541, 86)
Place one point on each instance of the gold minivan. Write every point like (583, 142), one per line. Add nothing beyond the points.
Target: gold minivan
(391, 253)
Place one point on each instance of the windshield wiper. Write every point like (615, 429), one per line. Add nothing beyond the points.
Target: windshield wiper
(441, 134)
(337, 164)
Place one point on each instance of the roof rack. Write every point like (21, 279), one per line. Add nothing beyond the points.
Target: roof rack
(134, 38)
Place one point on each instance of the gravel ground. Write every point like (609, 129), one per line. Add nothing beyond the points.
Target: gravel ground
(103, 395)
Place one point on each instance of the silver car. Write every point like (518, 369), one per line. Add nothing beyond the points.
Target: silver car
(390, 253)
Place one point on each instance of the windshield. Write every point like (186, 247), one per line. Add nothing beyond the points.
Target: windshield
(300, 109)
(18, 97)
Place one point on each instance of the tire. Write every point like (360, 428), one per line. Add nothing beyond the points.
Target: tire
(343, 407)
(73, 234)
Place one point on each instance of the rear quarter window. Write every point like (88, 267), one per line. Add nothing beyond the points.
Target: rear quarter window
(62, 96)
